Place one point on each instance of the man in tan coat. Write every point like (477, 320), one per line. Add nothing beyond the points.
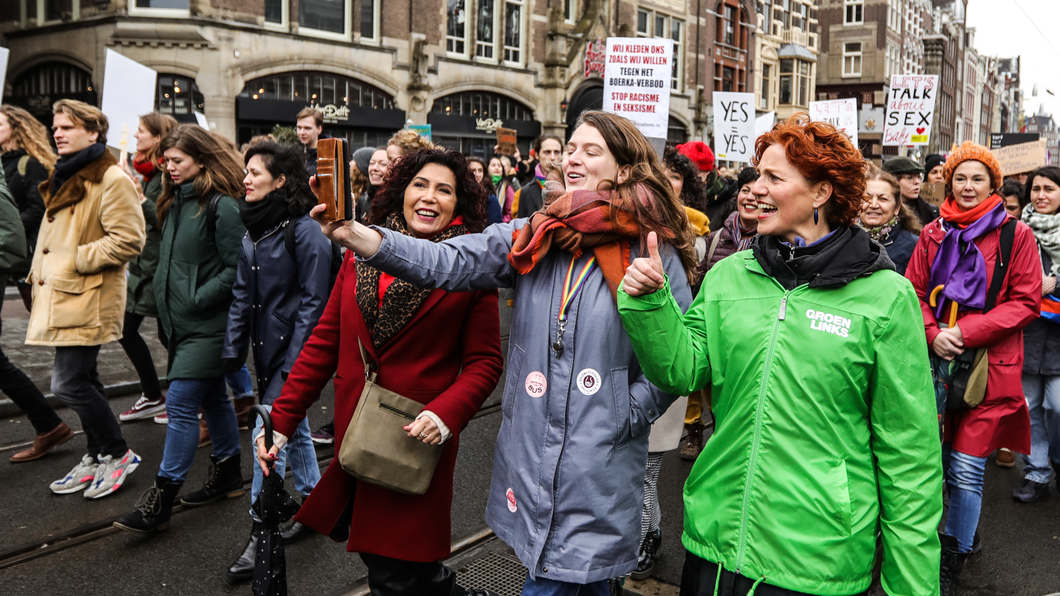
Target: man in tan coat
(93, 226)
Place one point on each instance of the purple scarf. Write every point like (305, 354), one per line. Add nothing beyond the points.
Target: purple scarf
(960, 266)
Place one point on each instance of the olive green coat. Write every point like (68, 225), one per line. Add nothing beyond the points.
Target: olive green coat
(193, 283)
(140, 298)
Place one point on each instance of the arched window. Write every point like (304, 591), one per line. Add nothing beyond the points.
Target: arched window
(482, 104)
(179, 96)
(320, 89)
(44, 84)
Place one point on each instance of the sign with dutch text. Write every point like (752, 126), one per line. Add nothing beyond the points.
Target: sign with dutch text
(1021, 158)
(1007, 139)
(637, 82)
(734, 126)
(129, 91)
(840, 113)
(910, 110)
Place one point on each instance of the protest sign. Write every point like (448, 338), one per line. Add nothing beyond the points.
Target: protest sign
(637, 82)
(424, 130)
(840, 113)
(1025, 157)
(506, 138)
(129, 90)
(4, 54)
(200, 118)
(1007, 139)
(764, 123)
(933, 192)
(910, 110)
(734, 126)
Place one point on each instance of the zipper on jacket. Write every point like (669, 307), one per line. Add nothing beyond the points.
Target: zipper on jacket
(756, 441)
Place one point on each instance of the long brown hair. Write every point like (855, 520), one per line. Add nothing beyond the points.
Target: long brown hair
(222, 170)
(665, 216)
(28, 134)
(159, 125)
(906, 217)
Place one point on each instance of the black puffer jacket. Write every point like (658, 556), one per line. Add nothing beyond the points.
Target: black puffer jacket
(27, 197)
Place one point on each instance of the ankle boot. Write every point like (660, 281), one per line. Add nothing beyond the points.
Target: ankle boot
(694, 444)
(952, 565)
(242, 407)
(223, 480)
(649, 554)
(153, 509)
(243, 569)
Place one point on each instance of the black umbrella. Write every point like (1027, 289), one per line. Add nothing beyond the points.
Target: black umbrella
(273, 507)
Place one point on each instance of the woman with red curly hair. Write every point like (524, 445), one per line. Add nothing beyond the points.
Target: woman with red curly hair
(959, 254)
(826, 434)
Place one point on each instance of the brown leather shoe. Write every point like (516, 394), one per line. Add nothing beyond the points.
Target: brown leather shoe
(43, 443)
(694, 443)
(204, 433)
(242, 407)
(1005, 458)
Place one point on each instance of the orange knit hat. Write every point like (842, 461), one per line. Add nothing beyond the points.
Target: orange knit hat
(969, 151)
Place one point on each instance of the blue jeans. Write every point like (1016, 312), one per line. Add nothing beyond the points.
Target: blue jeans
(239, 381)
(183, 401)
(1043, 401)
(301, 453)
(964, 476)
(548, 587)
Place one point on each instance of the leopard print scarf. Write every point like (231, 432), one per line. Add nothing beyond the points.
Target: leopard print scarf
(402, 299)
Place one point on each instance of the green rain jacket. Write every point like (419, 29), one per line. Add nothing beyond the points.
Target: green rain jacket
(826, 432)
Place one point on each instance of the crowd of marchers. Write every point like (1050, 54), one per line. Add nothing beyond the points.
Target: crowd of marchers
(659, 302)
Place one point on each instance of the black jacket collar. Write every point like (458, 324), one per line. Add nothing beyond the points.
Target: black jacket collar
(844, 256)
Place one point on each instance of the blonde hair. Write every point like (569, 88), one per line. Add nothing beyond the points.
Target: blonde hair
(409, 141)
(81, 114)
(28, 134)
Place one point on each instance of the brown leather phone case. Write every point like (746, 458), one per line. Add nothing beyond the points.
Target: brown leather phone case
(332, 177)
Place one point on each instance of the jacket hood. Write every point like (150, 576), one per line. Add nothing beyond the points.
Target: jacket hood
(849, 253)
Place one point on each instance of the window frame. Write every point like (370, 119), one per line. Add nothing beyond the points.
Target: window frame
(854, 7)
(494, 45)
(570, 11)
(766, 87)
(466, 39)
(377, 28)
(858, 55)
(652, 17)
(154, 12)
(503, 47)
(285, 18)
(347, 23)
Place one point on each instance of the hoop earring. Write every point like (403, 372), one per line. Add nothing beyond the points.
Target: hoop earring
(815, 216)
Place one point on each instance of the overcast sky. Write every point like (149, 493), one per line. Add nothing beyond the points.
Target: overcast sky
(1003, 29)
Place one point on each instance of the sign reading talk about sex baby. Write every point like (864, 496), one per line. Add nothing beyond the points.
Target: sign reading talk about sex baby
(734, 126)
(637, 82)
(910, 109)
(840, 113)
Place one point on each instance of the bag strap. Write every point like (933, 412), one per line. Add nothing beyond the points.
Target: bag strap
(1008, 237)
(369, 372)
(23, 165)
(211, 218)
(713, 246)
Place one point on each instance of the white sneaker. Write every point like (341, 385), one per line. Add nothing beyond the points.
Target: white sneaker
(111, 474)
(144, 408)
(162, 418)
(78, 479)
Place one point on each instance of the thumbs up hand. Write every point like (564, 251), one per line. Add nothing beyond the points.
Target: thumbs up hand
(644, 276)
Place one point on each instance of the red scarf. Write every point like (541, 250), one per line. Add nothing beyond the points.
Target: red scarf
(962, 219)
(578, 220)
(145, 168)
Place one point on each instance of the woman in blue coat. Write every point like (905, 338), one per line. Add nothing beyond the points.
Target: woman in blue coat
(282, 284)
(889, 221)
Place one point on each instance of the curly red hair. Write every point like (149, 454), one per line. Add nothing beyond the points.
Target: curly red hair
(821, 154)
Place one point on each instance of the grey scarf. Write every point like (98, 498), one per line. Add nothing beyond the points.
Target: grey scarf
(1046, 230)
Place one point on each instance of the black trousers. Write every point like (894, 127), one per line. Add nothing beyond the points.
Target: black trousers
(140, 355)
(394, 577)
(700, 576)
(17, 386)
(75, 380)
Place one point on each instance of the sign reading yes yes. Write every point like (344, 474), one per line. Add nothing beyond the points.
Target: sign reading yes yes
(734, 126)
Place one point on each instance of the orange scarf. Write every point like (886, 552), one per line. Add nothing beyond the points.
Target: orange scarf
(962, 219)
(578, 220)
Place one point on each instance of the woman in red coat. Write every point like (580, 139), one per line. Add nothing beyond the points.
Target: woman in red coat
(442, 349)
(958, 251)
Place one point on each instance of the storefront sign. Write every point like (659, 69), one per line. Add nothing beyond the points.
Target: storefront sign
(840, 113)
(334, 114)
(506, 139)
(488, 124)
(734, 126)
(595, 51)
(637, 82)
(1025, 157)
(910, 109)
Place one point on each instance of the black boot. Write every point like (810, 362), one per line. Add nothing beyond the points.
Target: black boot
(952, 565)
(243, 569)
(224, 480)
(153, 509)
(295, 532)
(649, 553)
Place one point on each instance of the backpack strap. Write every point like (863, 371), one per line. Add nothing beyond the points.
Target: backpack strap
(23, 165)
(211, 218)
(288, 238)
(1008, 238)
(713, 246)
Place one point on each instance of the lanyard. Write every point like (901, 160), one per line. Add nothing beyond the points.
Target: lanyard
(571, 286)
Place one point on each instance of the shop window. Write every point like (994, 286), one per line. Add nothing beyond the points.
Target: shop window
(370, 19)
(324, 18)
(178, 95)
(852, 59)
(52, 79)
(319, 89)
(482, 104)
(176, 8)
(853, 12)
(456, 27)
(656, 24)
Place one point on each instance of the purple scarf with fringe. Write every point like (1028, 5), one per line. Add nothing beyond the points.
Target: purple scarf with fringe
(960, 266)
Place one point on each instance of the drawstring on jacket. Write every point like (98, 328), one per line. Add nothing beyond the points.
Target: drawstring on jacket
(755, 586)
(717, 583)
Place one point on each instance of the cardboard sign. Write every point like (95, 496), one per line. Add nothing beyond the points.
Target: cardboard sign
(1007, 139)
(933, 192)
(1025, 157)
(840, 113)
(129, 90)
(637, 82)
(910, 110)
(734, 126)
(506, 138)
(4, 55)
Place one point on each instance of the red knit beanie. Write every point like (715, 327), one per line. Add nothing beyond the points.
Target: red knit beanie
(700, 154)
